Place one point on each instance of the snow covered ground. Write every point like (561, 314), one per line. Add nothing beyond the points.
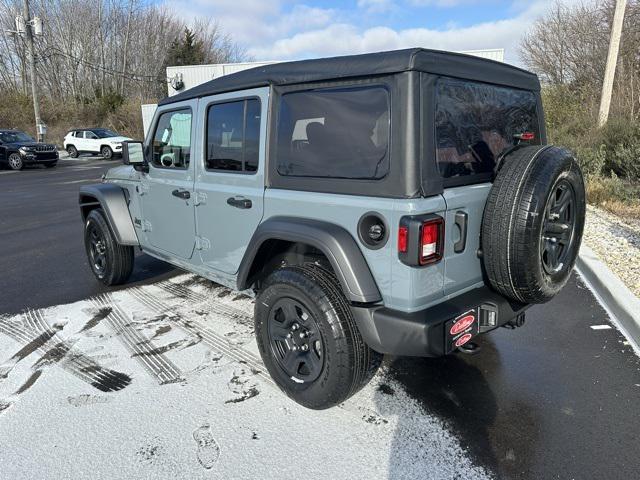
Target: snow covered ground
(165, 381)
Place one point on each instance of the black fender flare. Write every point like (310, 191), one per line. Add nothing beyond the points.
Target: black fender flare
(336, 243)
(113, 201)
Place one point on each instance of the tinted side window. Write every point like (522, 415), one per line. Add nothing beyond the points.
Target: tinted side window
(476, 122)
(337, 133)
(233, 136)
(171, 146)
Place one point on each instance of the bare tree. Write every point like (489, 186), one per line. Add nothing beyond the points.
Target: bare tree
(94, 48)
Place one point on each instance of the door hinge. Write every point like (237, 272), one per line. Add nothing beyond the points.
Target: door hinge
(142, 188)
(201, 198)
(202, 243)
(146, 226)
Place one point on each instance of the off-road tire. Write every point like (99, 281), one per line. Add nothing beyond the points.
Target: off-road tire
(517, 219)
(72, 151)
(118, 259)
(348, 362)
(106, 152)
(15, 161)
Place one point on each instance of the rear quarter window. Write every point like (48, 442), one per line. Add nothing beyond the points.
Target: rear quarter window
(476, 122)
(334, 133)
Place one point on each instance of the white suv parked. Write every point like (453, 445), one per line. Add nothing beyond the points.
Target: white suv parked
(93, 140)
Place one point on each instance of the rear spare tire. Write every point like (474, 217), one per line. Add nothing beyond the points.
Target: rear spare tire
(533, 223)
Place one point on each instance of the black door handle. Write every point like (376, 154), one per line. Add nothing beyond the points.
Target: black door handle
(238, 202)
(183, 194)
(461, 222)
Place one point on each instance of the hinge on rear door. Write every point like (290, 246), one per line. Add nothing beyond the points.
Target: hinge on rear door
(202, 243)
(146, 226)
(201, 198)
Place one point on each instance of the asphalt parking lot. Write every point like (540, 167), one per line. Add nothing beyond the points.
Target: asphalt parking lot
(180, 388)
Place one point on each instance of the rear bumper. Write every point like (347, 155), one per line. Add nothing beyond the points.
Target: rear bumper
(423, 333)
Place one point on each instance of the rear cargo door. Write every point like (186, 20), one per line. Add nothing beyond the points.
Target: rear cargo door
(474, 124)
(463, 223)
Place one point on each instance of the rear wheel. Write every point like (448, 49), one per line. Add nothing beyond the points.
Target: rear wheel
(308, 339)
(15, 161)
(110, 262)
(72, 151)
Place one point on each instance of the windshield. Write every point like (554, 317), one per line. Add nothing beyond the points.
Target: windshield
(105, 133)
(12, 137)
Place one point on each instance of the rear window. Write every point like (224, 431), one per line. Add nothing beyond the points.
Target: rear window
(476, 122)
(334, 133)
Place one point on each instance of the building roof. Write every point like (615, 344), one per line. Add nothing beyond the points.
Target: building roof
(381, 63)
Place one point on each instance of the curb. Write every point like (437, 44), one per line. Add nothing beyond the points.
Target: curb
(620, 303)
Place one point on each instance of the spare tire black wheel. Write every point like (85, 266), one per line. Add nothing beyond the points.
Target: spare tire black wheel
(533, 223)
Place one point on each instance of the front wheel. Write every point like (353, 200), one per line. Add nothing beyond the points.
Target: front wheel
(110, 262)
(72, 151)
(308, 338)
(106, 152)
(15, 161)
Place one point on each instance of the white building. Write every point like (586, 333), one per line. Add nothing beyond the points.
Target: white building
(182, 78)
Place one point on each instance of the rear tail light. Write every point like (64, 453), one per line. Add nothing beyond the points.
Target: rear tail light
(403, 234)
(431, 241)
(420, 239)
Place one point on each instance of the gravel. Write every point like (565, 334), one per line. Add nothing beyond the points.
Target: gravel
(616, 241)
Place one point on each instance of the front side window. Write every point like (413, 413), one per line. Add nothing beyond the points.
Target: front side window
(334, 133)
(171, 146)
(476, 122)
(233, 136)
(105, 133)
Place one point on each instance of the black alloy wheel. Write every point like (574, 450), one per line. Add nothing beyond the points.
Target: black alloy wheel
(558, 234)
(97, 250)
(308, 337)
(110, 262)
(296, 343)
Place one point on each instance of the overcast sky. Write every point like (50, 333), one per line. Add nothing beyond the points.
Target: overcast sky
(286, 29)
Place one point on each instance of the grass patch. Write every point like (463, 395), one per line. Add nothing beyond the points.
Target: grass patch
(614, 194)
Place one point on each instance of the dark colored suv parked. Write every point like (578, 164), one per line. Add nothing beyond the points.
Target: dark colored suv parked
(18, 149)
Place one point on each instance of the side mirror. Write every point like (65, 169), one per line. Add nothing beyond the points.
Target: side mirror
(133, 154)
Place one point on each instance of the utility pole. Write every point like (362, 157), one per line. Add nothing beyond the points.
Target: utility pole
(32, 67)
(612, 60)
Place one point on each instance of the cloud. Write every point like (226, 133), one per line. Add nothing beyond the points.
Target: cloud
(280, 30)
(376, 6)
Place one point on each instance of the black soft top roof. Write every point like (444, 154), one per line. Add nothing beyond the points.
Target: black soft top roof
(381, 63)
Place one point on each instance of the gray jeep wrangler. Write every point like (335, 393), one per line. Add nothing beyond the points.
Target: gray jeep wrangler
(392, 203)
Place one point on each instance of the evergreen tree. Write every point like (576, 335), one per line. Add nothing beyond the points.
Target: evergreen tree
(187, 50)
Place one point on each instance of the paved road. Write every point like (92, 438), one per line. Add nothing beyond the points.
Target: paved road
(41, 248)
(554, 399)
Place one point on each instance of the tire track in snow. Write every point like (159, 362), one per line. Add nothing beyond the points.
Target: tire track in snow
(140, 347)
(32, 331)
(209, 336)
(220, 344)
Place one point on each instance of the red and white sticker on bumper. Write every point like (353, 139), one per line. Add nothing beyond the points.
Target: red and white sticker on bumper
(461, 329)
